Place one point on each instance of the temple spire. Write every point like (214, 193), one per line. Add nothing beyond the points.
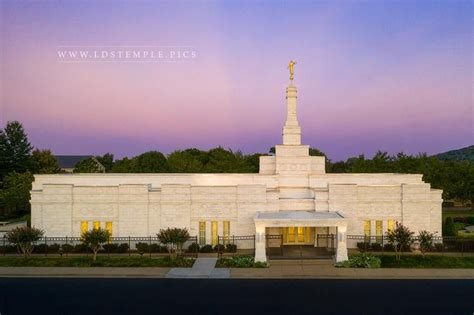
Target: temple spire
(292, 129)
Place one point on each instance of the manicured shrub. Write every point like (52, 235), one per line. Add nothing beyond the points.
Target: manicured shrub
(110, 248)
(219, 248)
(157, 248)
(9, 249)
(54, 248)
(142, 248)
(40, 248)
(388, 248)
(470, 220)
(206, 249)
(439, 247)
(376, 246)
(81, 248)
(193, 248)
(240, 262)
(231, 248)
(363, 246)
(448, 227)
(122, 248)
(461, 219)
(362, 260)
(67, 248)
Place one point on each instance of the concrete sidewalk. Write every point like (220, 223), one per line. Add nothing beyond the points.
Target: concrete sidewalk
(85, 272)
(277, 270)
(202, 268)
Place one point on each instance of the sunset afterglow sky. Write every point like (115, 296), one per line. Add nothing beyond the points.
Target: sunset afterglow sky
(388, 75)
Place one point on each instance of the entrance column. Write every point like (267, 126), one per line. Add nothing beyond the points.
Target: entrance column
(260, 250)
(341, 250)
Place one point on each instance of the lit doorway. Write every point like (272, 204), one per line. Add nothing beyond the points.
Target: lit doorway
(294, 235)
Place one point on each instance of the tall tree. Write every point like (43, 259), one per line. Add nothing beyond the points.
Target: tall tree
(15, 195)
(90, 165)
(187, 161)
(44, 162)
(151, 162)
(107, 160)
(124, 165)
(15, 149)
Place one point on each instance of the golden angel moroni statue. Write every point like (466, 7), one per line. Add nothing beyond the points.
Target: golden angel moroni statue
(291, 67)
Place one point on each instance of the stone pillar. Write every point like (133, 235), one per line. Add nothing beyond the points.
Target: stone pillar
(341, 250)
(260, 250)
(292, 129)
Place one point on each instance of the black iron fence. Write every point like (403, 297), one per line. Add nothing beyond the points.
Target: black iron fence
(441, 244)
(324, 244)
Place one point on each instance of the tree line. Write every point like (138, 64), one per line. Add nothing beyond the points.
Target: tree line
(19, 161)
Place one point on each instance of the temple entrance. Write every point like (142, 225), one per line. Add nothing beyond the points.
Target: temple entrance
(298, 235)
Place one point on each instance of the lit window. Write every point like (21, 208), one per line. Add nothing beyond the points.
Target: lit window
(108, 227)
(202, 233)
(96, 225)
(378, 230)
(367, 230)
(390, 225)
(226, 225)
(84, 226)
(214, 233)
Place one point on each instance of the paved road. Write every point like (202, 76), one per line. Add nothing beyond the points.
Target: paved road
(180, 296)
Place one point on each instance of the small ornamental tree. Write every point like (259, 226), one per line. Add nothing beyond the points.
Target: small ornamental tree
(173, 239)
(25, 238)
(426, 241)
(401, 237)
(94, 239)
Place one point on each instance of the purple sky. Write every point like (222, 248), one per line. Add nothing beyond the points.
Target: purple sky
(396, 76)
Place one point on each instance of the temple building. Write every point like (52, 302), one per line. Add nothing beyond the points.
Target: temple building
(292, 196)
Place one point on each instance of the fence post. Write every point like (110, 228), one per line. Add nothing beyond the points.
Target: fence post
(45, 246)
(66, 247)
(149, 245)
(254, 244)
(129, 245)
(234, 249)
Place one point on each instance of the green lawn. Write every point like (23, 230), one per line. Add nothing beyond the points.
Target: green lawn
(457, 213)
(88, 262)
(417, 261)
(25, 217)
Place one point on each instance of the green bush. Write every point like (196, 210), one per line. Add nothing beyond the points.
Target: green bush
(219, 248)
(9, 249)
(231, 248)
(361, 261)
(448, 227)
(439, 247)
(362, 246)
(122, 248)
(388, 248)
(206, 249)
(81, 248)
(142, 248)
(193, 248)
(240, 262)
(110, 248)
(376, 246)
(67, 248)
(470, 220)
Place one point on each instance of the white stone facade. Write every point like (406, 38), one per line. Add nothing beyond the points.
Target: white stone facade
(291, 180)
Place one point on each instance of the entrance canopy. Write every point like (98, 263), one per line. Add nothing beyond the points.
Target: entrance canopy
(299, 218)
